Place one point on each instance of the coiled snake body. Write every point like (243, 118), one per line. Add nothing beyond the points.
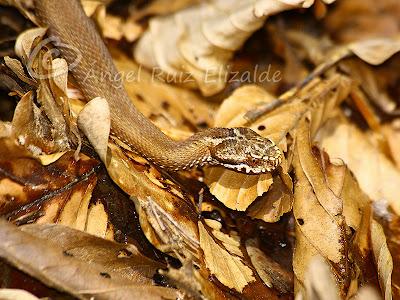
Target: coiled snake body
(240, 149)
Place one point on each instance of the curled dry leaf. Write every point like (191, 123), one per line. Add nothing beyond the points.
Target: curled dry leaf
(50, 79)
(31, 127)
(200, 41)
(49, 262)
(378, 178)
(376, 51)
(328, 238)
(95, 122)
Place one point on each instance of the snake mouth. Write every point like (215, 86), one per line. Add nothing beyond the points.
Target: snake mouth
(256, 166)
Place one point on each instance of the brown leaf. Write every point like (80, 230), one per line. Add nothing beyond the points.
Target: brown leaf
(49, 262)
(118, 259)
(311, 207)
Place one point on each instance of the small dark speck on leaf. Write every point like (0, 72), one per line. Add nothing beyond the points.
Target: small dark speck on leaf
(105, 275)
(261, 127)
(139, 97)
(165, 105)
(301, 221)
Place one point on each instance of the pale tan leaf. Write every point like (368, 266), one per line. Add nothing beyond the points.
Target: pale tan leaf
(13, 294)
(271, 206)
(98, 222)
(232, 111)
(202, 38)
(327, 199)
(95, 122)
(237, 191)
(229, 269)
(25, 41)
(376, 51)
(320, 283)
(376, 174)
(383, 259)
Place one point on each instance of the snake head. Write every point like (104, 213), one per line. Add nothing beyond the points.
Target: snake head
(243, 150)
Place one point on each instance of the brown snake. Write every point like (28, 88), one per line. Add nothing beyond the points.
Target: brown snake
(240, 149)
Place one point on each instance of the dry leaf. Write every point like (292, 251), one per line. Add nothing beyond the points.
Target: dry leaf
(12, 294)
(95, 122)
(201, 39)
(118, 259)
(48, 261)
(383, 259)
(272, 274)
(320, 283)
(233, 272)
(376, 51)
(311, 207)
(378, 178)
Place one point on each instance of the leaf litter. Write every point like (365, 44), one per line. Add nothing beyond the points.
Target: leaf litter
(96, 219)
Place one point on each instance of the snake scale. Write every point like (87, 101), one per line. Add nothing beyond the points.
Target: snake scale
(239, 149)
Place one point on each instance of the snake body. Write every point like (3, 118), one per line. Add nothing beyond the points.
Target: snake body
(240, 149)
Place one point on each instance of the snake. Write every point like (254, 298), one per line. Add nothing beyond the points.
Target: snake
(240, 149)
